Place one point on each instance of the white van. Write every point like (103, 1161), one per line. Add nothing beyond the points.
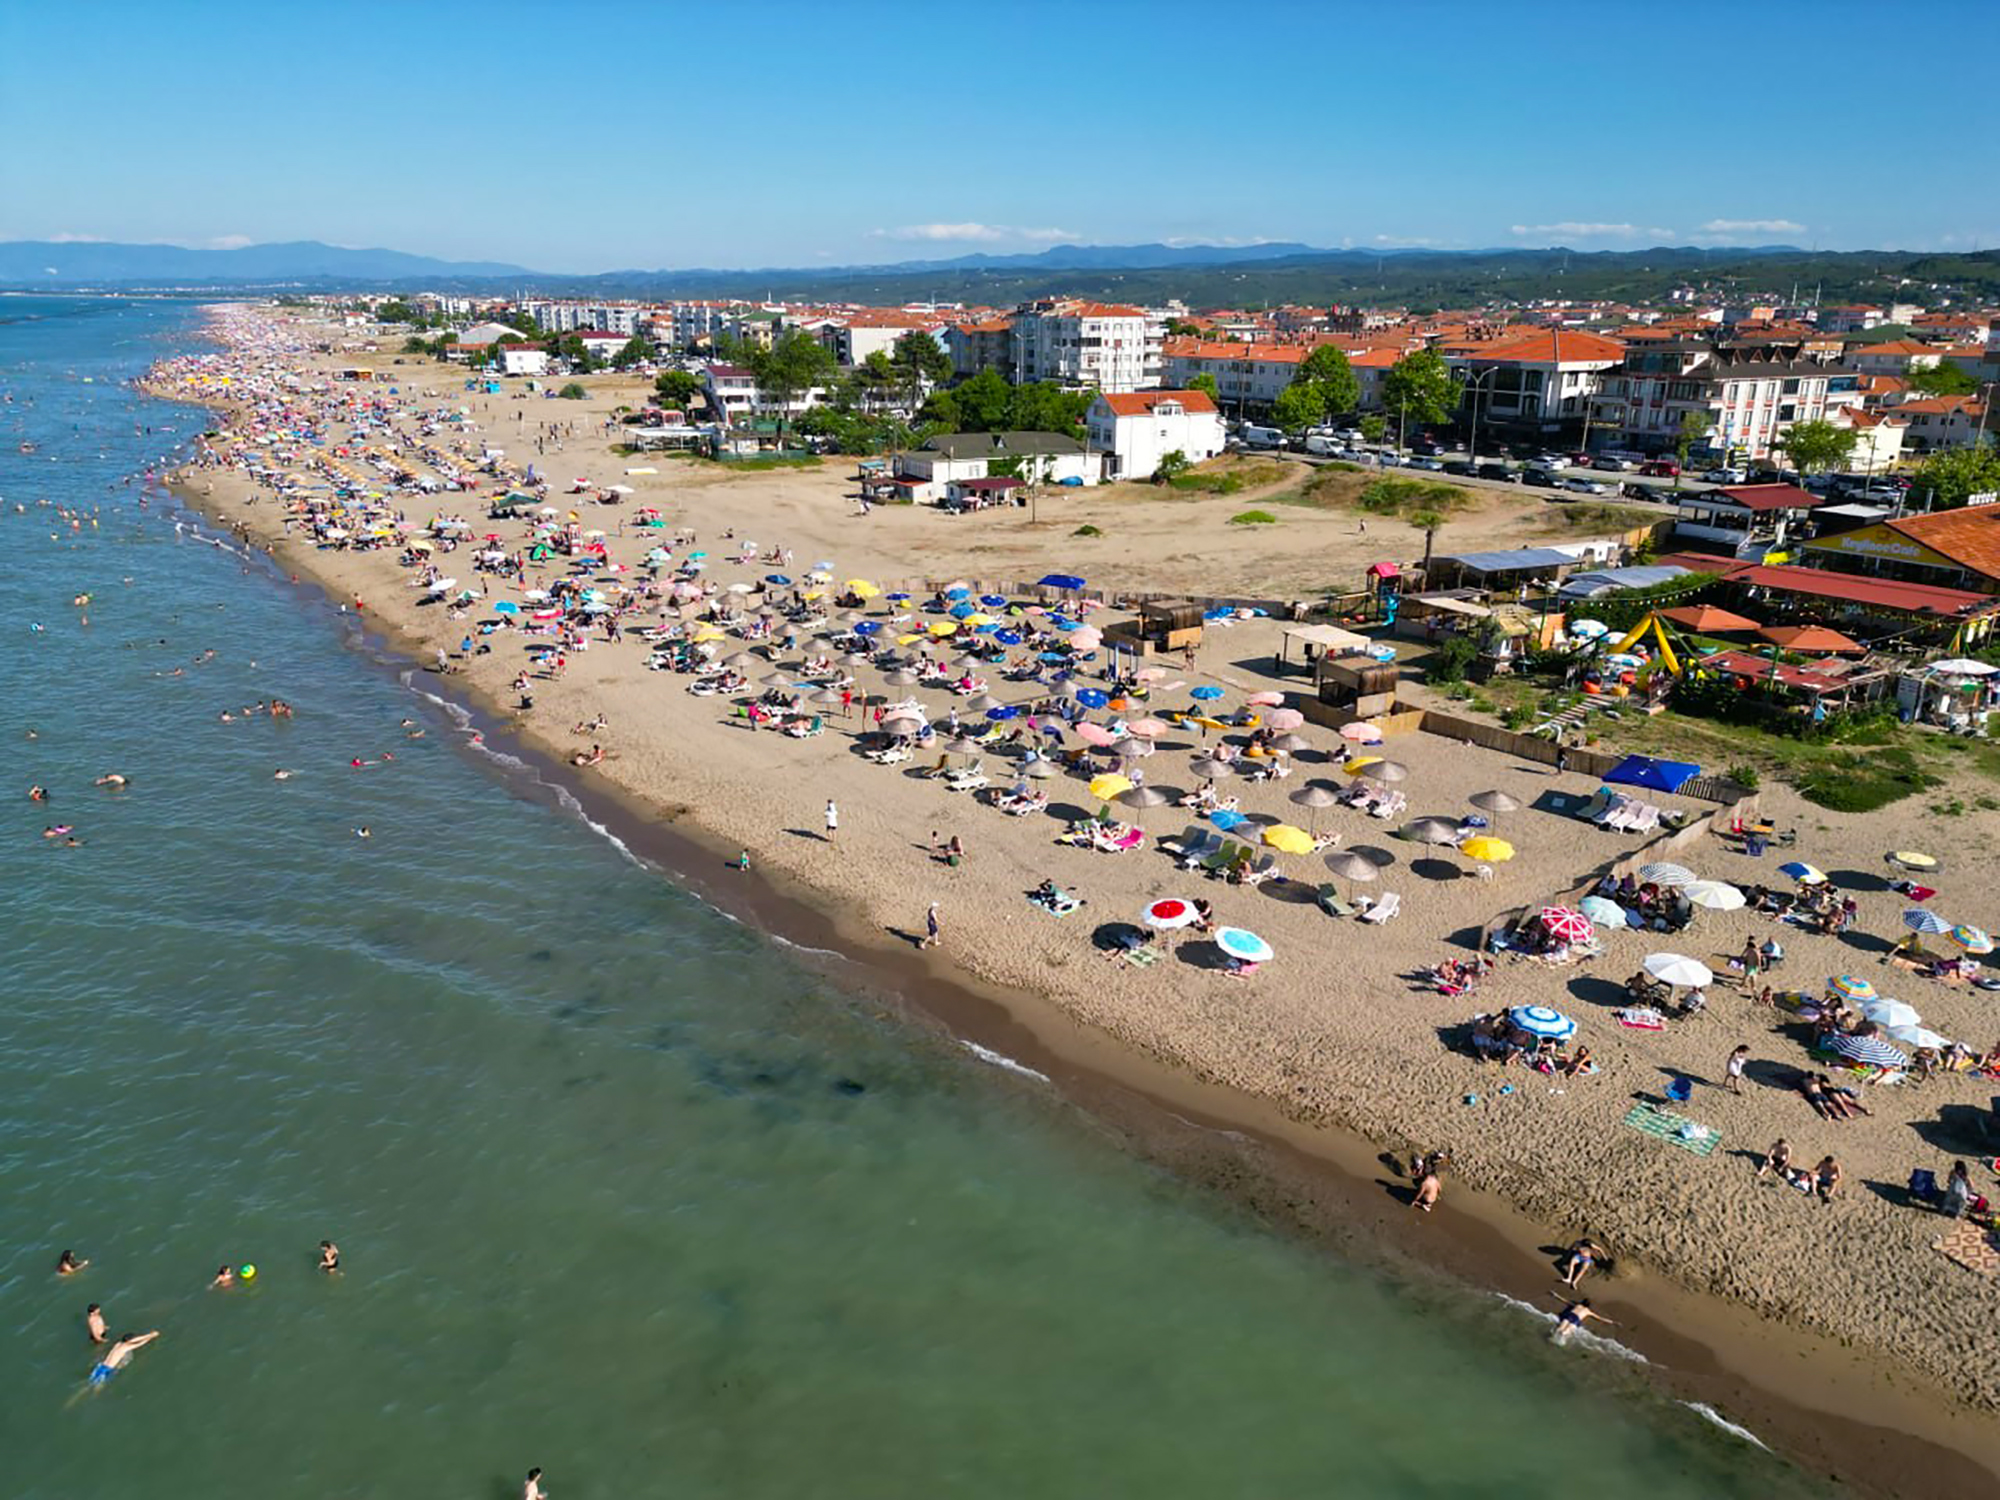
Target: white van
(1324, 440)
(1261, 437)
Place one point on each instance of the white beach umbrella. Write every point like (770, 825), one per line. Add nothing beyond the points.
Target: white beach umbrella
(1714, 895)
(1890, 1014)
(1676, 969)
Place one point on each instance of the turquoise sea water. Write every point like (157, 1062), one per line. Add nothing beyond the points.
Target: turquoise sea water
(621, 1189)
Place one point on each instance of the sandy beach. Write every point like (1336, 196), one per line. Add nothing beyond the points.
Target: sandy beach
(1341, 1029)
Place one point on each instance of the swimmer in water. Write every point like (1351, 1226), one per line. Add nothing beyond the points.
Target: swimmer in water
(113, 780)
(531, 1487)
(68, 1265)
(1573, 1316)
(94, 1324)
(55, 831)
(119, 1355)
(362, 832)
(225, 1276)
(329, 1256)
(281, 774)
(38, 793)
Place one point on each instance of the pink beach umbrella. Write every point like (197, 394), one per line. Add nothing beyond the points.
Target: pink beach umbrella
(1095, 734)
(1086, 639)
(1265, 700)
(1284, 718)
(1146, 729)
(1361, 733)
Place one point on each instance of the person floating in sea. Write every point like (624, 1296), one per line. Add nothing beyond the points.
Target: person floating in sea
(94, 1324)
(531, 1487)
(329, 1256)
(118, 1356)
(225, 1277)
(68, 1265)
(113, 780)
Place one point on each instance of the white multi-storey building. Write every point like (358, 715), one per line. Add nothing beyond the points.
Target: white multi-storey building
(1088, 345)
(1134, 430)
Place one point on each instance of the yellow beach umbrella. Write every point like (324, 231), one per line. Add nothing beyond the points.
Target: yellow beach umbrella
(1288, 840)
(1109, 785)
(904, 640)
(706, 634)
(976, 619)
(861, 588)
(1354, 767)
(945, 627)
(1486, 848)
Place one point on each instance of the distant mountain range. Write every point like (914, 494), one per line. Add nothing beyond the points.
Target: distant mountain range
(73, 263)
(1200, 275)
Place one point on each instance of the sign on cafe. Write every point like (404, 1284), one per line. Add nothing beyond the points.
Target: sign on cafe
(1881, 542)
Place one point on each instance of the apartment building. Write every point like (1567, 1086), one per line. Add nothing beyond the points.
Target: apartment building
(1248, 377)
(1744, 398)
(1534, 385)
(1087, 345)
(984, 344)
(1134, 430)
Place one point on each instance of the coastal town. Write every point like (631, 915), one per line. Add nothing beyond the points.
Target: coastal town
(1550, 742)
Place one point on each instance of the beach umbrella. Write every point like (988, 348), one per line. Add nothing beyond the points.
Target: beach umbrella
(1918, 1036)
(981, 702)
(943, 628)
(1087, 638)
(1146, 729)
(1290, 744)
(1487, 849)
(1227, 819)
(1351, 866)
(1675, 969)
(1869, 1049)
(1288, 840)
(1109, 785)
(774, 680)
(1888, 1013)
(1315, 796)
(1539, 1020)
(1240, 943)
(867, 627)
(1959, 666)
(1803, 873)
(958, 591)
(1387, 772)
(861, 588)
(1605, 913)
(1588, 630)
(1206, 692)
(1361, 732)
(961, 745)
(1851, 987)
(1060, 581)
(506, 607)
(1714, 895)
(993, 601)
(1624, 661)
(1002, 712)
(903, 724)
(1039, 769)
(1912, 859)
(1265, 700)
(778, 578)
(1565, 924)
(901, 677)
(1096, 734)
(1432, 831)
(1971, 939)
(1495, 802)
(1169, 914)
(1928, 922)
(1092, 698)
(1665, 874)
(826, 698)
(1007, 637)
(1143, 797)
(1284, 718)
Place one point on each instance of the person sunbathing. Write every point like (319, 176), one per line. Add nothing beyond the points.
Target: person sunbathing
(1815, 1095)
(1845, 1103)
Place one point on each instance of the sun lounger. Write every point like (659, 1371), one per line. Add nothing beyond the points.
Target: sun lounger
(806, 729)
(970, 778)
(1139, 958)
(1383, 908)
(1594, 809)
(1130, 838)
(1331, 903)
(1198, 848)
(1388, 806)
(1259, 872)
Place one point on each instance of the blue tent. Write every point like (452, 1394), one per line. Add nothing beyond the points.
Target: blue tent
(1659, 775)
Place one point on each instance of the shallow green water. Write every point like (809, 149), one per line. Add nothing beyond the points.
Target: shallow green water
(621, 1189)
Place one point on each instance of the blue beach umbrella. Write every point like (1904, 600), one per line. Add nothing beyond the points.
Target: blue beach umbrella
(1603, 912)
(1052, 656)
(1803, 873)
(1227, 818)
(1060, 581)
(958, 593)
(1004, 711)
(1927, 922)
(962, 611)
(1869, 1049)
(1007, 637)
(1062, 622)
(778, 578)
(867, 627)
(506, 607)
(1539, 1020)
(993, 601)
(1241, 943)
(1092, 697)
(898, 597)
(1207, 692)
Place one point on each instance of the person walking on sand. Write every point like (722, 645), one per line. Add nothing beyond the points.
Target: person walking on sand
(1733, 1069)
(930, 927)
(832, 820)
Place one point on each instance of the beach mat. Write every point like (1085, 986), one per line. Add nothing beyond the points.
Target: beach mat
(1652, 1120)
(1966, 1244)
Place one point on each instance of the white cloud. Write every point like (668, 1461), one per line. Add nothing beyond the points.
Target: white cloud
(1751, 226)
(1218, 241)
(66, 238)
(1571, 229)
(1405, 241)
(230, 242)
(970, 233)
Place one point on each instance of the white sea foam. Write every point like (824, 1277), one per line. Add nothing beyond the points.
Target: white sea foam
(805, 947)
(1732, 1428)
(1002, 1060)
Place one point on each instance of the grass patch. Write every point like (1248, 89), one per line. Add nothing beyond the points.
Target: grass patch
(1086, 530)
(1597, 516)
(1228, 477)
(1852, 783)
(1253, 518)
(765, 462)
(1400, 497)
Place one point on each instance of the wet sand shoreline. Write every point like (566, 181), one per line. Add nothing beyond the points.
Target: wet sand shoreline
(1321, 1182)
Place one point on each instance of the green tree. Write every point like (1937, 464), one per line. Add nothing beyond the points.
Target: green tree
(573, 392)
(1952, 477)
(1205, 383)
(1300, 405)
(521, 322)
(415, 345)
(792, 366)
(396, 312)
(1045, 406)
(1181, 328)
(1429, 522)
(875, 377)
(1374, 429)
(1940, 379)
(677, 388)
(1693, 429)
(636, 351)
(1418, 388)
(1339, 387)
(1818, 446)
(940, 412)
(920, 362)
(1172, 466)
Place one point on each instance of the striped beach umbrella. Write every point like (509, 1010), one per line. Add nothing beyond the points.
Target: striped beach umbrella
(1241, 943)
(1927, 922)
(1851, 987)
(1803, 873)
(1971, 939)
(1539, 1020)
(1869, 1049)
(1565, 924)
(1660, 873)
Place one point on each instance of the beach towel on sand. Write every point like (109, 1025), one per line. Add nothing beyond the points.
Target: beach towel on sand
(1653, 1120)
(1966, 1244)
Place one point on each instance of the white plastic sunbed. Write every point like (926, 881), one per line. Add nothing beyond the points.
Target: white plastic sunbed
(1383, 907)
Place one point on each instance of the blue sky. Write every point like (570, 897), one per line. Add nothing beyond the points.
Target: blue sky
(581, 135)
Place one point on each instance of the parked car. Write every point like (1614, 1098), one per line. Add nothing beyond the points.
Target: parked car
(1587, 486)
(1502, 472)
(1611, 463)
(1723, 476)
(1427, 447)
(1389, 458)
(1459, 466)
(1553, 462)
(1633, 491)
(1435, 465)
(1661, 468)
(1262, 437)
(1579, 460)
(1541, 479)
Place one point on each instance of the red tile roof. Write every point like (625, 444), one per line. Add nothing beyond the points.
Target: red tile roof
(1969, 536)
(1284, 354)
(1850, 588)
(1761, 496)
(1550, 347)
(1141, 403)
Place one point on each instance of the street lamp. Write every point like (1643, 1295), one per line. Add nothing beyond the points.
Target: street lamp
(1472, 442)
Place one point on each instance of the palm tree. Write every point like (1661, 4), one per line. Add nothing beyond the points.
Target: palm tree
(1427, 521)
